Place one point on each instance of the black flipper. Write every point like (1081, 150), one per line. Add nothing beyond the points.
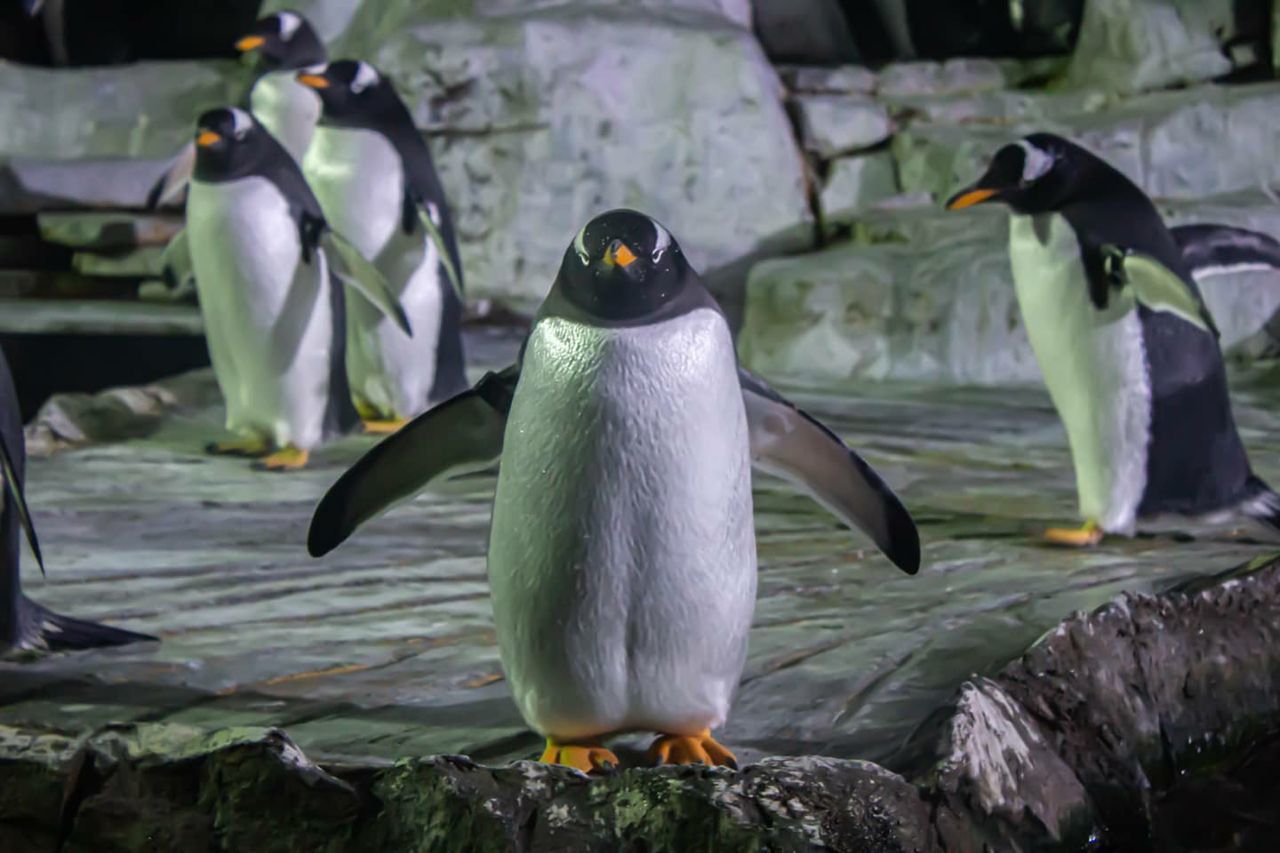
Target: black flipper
(1155, 286)
(14, 493)
(789, 443)
(355, 271)
(170, 185)
(41, 628)
(1262, 504)
(1211, 250)
(461, 434)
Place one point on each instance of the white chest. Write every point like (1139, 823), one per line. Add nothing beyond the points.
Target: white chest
(358, 177)
(288, 109)
(1094, 365)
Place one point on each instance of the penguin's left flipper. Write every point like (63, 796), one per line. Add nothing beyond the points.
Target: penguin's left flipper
(41, 628)
(1155, 286)
(176, 268)
(446, 257)
(14, 488)
(1211, 250)
(169, 186)
(353, 270)
(464, 433)
(789, 443)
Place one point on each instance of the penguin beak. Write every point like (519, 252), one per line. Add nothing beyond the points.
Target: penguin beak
(619, 254)
(205, 138)
(970, 197)
(315, 81)
(249, 43)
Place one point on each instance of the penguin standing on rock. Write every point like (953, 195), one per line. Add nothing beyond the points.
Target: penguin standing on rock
(622, 554)
(283, 43)
(375, 179)
(1128, 350)
(23, 623)
(263, 256)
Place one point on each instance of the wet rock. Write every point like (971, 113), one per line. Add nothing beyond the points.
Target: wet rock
(1137, 45)
(805, 31)
(831, 125)
(953, 77)
(857, 182)
(818, 80)
(533, 132)
(107, 231)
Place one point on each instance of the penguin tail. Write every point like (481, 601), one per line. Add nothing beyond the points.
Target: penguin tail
(1261, 503)
(44, 629)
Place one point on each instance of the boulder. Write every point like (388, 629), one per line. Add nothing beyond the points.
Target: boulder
(819, 80)
(1138, 45)
(831, 125)
(853, 183)
(534, 129)
(953, 77)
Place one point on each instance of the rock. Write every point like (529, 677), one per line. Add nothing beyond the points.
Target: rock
(1047, 26)
(115, 230)
(144, 110)
(853, 183)
(818, 80)
(1159, 140)
(534, 130)
(831, 125)
(29, 185)
(805, 31)
(955, 76)
(138, 263)
(1138, 45)
(1000, 771)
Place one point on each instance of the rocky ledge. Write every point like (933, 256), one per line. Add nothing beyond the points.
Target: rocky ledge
(1111, 732)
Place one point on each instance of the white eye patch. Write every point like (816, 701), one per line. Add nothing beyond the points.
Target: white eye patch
(240, 122)
(580, 246)
(1037, 163)
(662, 239)
(365, 77)
(289, 23)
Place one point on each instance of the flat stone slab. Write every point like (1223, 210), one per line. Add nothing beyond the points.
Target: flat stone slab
(385, 649)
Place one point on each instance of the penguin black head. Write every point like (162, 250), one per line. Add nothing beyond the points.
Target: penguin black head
(1036, 174)
(230, 143)
(284, 40)
(623, 266)
(355, 94)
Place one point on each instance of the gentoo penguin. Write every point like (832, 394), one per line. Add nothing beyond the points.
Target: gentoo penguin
(23, 623)
(263, 255)
(283, 43)
(622, 548)
(1128, 350)
(373, 174)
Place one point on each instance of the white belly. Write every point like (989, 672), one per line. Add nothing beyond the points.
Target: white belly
(268, 319)
(622, 553)
(1094, 364)
(359, 180)
(286, 108)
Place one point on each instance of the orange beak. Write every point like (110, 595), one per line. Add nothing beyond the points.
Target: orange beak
(969, 199)
(315, 81)
(249, 43)
(205, 138)
(619, 256)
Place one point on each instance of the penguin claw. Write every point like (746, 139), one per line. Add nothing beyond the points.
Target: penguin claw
(1085, 536)
(383, 427)
(583, 757)
(695, 749)
(239, 447)
(286, 459)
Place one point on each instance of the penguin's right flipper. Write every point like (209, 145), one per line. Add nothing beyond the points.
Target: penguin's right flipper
(463, 433)
(789, 443)
(355, 271)
(1156, 286)
(14, 488)
(176, 268)
(41, 628)
(1211, 250)
(446, 257)
(170, 185)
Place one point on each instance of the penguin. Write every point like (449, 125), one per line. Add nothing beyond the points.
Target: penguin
(621, 556)
(23, 623)
(375, 179)
(263, 257)
(283, 43)
(1128, 350)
